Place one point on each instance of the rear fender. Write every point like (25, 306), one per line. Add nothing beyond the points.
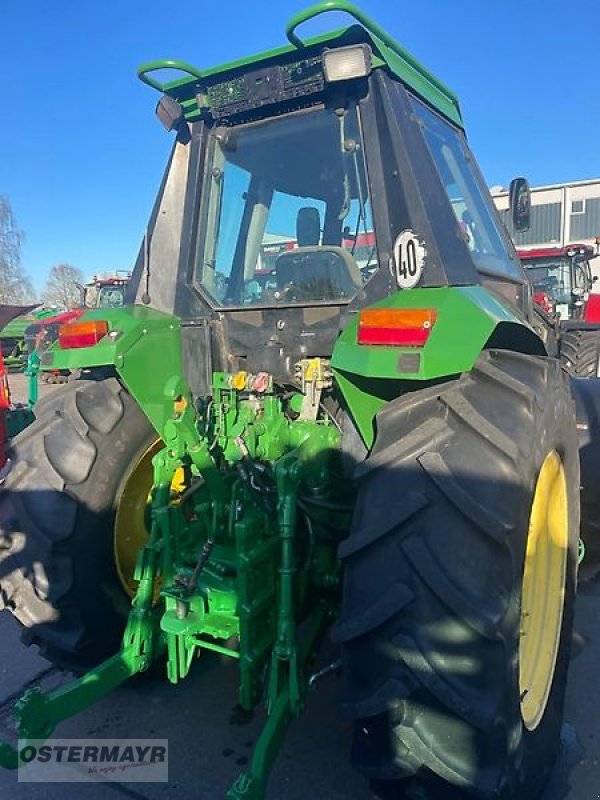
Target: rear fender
(469, 320)
(144, 347)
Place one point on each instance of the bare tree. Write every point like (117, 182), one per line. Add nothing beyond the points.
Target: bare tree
(15, 285)
(61, 287)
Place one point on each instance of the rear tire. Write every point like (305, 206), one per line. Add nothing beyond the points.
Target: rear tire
(431, 613)
(580, 353)
(57, 565)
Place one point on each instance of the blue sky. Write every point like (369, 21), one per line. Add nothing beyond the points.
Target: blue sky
(81, 153)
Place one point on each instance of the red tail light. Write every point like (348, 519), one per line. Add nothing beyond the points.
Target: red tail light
(82, 334)
(396, 327)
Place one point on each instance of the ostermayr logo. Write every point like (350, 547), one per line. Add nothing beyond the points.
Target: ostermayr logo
(93, 760)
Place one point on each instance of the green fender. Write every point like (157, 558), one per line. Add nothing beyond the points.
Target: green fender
(144, 346)
(469, 318)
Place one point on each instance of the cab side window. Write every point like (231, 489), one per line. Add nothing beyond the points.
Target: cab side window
(477, 221)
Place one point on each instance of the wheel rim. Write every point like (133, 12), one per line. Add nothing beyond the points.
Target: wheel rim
(131, 532)
(543, 589)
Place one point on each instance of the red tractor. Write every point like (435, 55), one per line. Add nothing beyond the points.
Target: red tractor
(562, 283)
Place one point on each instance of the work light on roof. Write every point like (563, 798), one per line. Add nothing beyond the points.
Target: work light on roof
(345, 63)
(169, 112)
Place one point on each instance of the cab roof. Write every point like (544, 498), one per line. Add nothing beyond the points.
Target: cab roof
(387, 54)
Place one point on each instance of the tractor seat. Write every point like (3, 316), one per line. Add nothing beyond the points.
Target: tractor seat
(317, 273)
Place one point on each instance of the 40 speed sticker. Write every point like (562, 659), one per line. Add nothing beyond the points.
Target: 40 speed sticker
(409, 258)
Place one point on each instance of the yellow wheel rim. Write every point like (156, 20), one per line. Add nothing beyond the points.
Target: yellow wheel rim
(543, 590)
(130, 521)
(130, 532)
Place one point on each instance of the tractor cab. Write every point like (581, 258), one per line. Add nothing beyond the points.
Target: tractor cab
(562, 279)
(105, 292)
(305, 184)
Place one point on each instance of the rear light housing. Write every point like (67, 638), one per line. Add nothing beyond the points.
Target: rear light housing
(395, 327)
(82, 334)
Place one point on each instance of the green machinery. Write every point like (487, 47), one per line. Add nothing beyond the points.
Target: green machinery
(13, 417)
(365, 439)
(12, 335)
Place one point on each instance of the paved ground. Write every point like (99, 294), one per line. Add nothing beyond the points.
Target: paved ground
(209, 746)
(18, 387)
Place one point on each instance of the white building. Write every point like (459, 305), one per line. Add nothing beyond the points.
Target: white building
(561, 214)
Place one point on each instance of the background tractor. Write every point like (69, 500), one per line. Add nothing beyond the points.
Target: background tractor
(12, 335)
(105, 291)
(382, 450)
(13, 417)
(562, 283)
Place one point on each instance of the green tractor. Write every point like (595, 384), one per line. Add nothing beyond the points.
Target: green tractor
(379, 450)
(12, 335)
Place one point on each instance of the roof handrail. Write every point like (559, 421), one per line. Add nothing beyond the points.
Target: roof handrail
(153, 66)
(372, 27)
